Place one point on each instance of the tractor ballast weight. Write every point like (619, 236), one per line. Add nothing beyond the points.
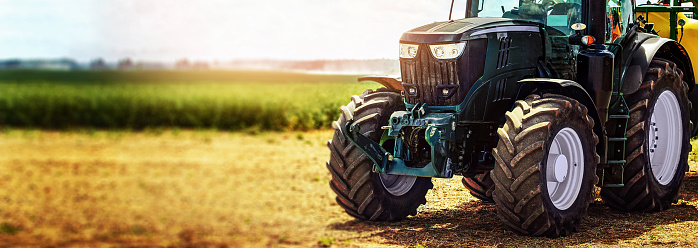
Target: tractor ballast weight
(533, 106)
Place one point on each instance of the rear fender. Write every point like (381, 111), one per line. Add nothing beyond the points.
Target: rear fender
(666, 49)
(651, 48)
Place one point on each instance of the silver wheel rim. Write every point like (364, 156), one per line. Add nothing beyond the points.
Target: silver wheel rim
(397, 185)
(565, 168)
(664, 137)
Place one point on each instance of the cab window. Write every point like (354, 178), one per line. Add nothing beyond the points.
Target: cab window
(559, 14)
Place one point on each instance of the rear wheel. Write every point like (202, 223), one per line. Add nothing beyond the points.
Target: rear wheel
(480, 186)
(658, 142)
(363, 193)
(545, 166)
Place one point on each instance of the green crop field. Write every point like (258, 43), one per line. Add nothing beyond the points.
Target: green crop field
(224, 100)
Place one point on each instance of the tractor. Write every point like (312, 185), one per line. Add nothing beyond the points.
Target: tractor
(534, 103)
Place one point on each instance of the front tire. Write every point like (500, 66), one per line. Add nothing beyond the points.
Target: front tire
(658, 142)
(545, 166)
(363, 193)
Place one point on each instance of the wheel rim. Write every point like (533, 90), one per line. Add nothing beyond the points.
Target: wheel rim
(664, 137)
(565, 168)
(397, 185)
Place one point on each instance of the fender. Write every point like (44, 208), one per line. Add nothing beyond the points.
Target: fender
(566, 88)
(387, 81)
(651, 48)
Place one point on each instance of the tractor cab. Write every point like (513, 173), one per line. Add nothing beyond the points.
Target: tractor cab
(559, 15)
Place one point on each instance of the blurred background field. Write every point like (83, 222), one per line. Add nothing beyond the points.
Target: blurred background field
(159, 189)
(139, 99)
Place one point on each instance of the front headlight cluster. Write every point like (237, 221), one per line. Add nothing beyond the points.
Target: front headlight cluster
(440, 51)
(408, 51)
(447, 51)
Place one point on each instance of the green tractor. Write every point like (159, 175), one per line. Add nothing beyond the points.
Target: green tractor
(533, 102)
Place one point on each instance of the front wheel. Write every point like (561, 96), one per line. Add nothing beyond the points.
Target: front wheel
(361, 191)
(545, 166)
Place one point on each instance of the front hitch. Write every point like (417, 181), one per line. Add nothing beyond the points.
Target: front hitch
(373, 150)
(385, 162)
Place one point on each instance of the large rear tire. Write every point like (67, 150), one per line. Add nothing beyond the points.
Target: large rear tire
(480, 186)
(658, 142)
(363, 193)
(545, 166)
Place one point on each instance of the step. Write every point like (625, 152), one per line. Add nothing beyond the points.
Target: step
(617, 139)
(613, 185)
(616, 161)
(618, 117)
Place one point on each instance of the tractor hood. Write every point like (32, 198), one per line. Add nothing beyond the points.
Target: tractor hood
(465, 29)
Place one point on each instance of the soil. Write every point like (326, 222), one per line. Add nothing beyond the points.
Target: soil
(161, 188)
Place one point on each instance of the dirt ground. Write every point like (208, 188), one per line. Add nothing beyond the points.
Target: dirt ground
(218, 189)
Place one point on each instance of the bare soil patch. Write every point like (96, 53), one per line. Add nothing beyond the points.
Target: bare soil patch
(219, 189)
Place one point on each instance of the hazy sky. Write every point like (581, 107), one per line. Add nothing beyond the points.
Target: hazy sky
(167, 30)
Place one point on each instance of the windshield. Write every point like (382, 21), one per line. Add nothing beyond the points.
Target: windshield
(559, 14)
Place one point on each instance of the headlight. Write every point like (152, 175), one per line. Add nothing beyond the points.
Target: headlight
(408, 50)
(447, 51)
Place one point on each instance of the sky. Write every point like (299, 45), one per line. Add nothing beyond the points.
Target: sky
(212, 30)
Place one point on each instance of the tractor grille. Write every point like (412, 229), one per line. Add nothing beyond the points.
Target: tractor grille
(430, 76)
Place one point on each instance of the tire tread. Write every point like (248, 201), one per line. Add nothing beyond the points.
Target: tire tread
(518, 193)
(639, 192)
(353, 179)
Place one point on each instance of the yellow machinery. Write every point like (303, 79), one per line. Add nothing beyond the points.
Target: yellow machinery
(671, 22)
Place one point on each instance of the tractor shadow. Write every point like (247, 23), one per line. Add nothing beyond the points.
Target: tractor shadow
(689, 192)
(475, 223)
